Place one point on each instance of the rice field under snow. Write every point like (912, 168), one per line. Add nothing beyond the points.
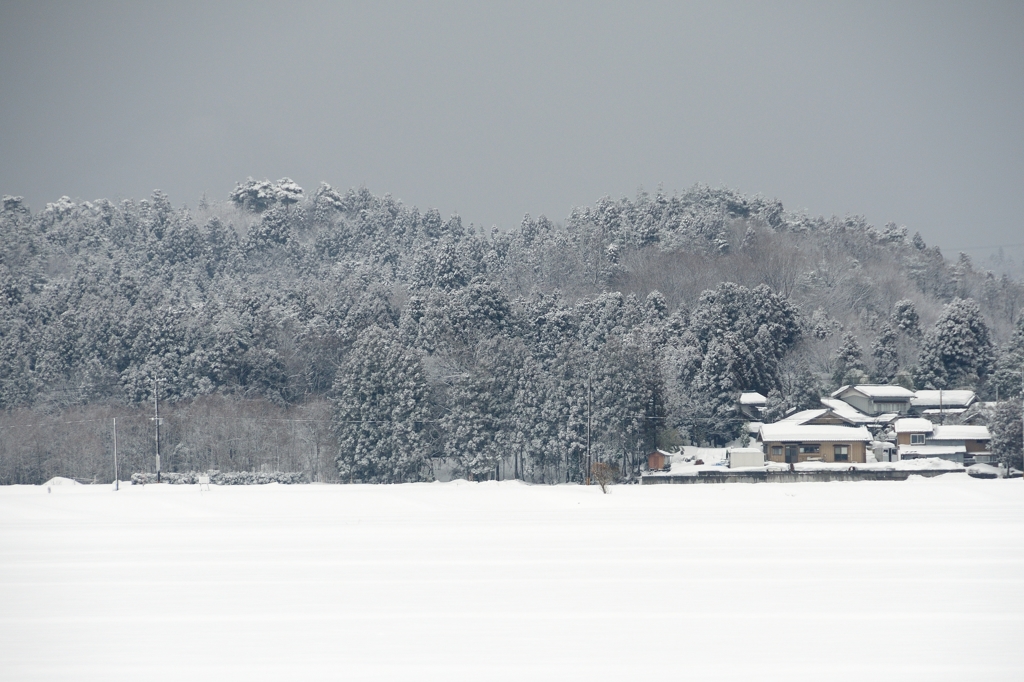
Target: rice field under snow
(917, 580)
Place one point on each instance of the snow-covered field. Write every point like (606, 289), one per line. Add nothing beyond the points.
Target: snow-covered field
(919, 580)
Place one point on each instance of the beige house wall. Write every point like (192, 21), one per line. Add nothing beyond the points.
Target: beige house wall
(826, 452)
(971, 445)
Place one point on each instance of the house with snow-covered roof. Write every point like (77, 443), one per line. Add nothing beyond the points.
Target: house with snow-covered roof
(791, 441)
(823, 416)
(752, 405)
(938, 404)
(855, 416)
(918, 437)
(876, 400)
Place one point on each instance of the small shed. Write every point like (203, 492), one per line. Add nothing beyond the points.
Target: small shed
(745, 457)
(659, 460)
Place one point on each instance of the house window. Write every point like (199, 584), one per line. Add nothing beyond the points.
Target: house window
(810, 449)
(777, 450)
(841, 453)
(917, 439)
(891, 407)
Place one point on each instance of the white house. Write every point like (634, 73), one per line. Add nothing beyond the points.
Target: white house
(876, 400)
(941, 403)
(918, 437)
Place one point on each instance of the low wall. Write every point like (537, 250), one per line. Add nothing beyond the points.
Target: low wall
(822, 476)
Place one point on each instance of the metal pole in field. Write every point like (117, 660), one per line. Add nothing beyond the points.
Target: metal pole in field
(116, 482)
(156, 418)
(589, 397)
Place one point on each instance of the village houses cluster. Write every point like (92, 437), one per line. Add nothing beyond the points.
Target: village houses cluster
(861, 423)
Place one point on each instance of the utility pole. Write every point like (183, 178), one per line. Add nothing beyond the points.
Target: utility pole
(116, 483)
(156, 420)
(589, 395)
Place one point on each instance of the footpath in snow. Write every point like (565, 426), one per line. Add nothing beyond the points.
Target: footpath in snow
(918, 580)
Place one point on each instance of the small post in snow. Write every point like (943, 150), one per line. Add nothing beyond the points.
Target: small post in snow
(156, 419)
(116, 482)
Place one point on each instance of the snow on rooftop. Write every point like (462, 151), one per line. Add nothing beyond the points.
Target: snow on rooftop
(752, 398)
(877, 391)
(960, 432)
(790, 431)
(913, 425)
(803, 416)
(846, 410)
(952, 399)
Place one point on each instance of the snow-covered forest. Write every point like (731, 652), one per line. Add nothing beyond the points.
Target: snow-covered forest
(353, 338)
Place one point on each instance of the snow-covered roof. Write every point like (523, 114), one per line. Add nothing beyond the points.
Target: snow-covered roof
(945, 410)
(790, 431)
(846, 410)
(913, 425)
(930, 450)
(803, 416)
(877, 391)
(947, 399)
(754, 427)
(960, 432)
(752, 398)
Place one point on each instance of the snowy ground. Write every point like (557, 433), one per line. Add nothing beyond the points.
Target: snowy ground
(916, 580)
(714, 460)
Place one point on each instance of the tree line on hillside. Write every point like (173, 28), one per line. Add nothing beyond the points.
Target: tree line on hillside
(420, 343)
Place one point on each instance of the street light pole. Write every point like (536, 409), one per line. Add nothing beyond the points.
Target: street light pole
(156, 419)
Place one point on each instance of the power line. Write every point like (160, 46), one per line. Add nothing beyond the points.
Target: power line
(79, 421)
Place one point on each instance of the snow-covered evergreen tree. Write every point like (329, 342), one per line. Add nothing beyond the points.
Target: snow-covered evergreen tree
(1005, 427)
(382, 412)
(905, 318)
(849, 362)
(957, 352)
(886, 354)
(1006, 379)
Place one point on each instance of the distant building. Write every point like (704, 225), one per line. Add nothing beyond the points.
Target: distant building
(937, 404)
(791, 442)
(659, 460)
(876, 400)
(918, 437)
(745, 457)
(854, 416)
(752, 405)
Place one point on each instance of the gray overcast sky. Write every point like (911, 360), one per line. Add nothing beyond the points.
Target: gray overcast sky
(908, 112)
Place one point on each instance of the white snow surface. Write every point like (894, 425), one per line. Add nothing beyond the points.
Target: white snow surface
(60, 480)
(913, 425)
(915, 580)
(789, 431)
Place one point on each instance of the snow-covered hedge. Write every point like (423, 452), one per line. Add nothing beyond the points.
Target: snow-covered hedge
(223, 478)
